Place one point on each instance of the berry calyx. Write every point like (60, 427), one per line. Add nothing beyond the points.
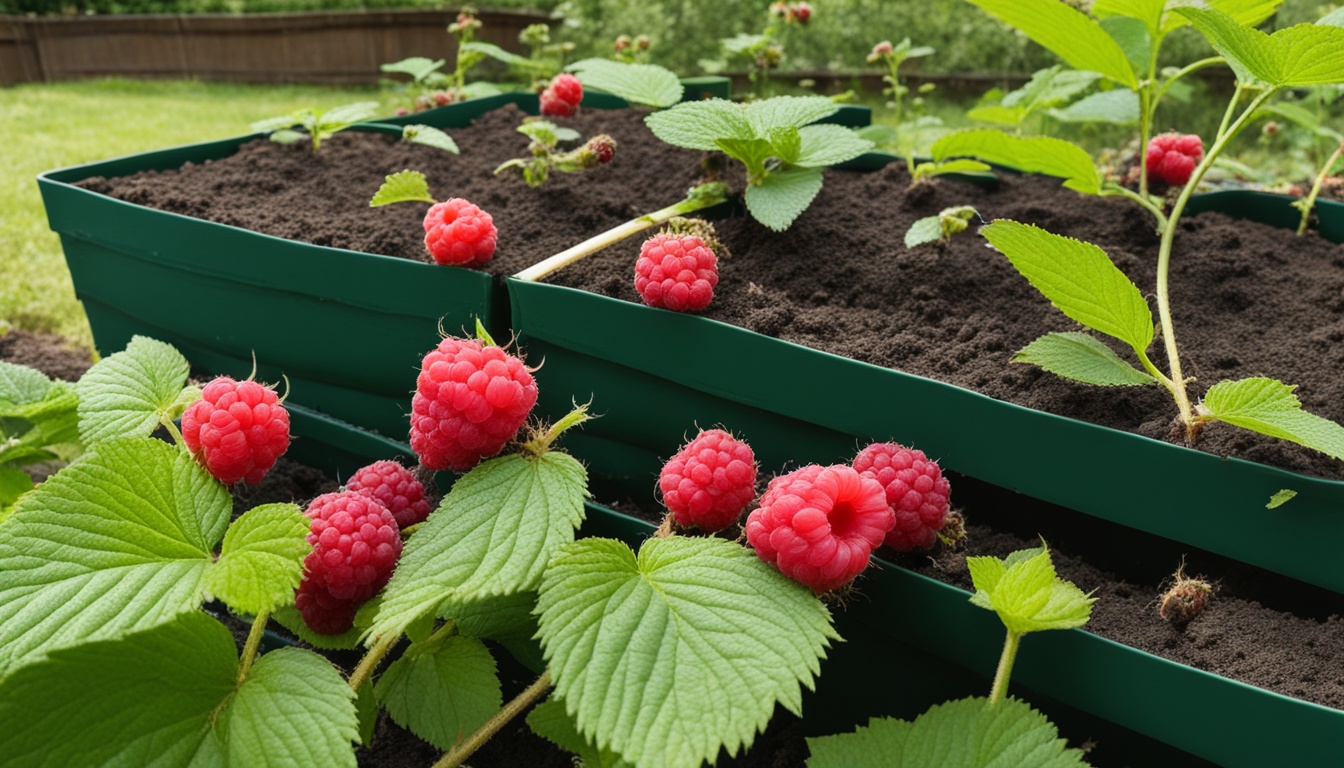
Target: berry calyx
(1172, 157)
(818, 525)
(356, 543)
(236, 430)
(915, 490)
(709, 482)
(395, 487)
(676, 272)
(470, 400)
(459, 233)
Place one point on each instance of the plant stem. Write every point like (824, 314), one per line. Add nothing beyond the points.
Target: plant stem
(542, 443)
(371, 660)
(174, 432)
(1187, 69)
(1117, 190)
(253, 643)
(522, 701)
(1005, 670)
(1310, 201)
(702, 196)
(1227, 116)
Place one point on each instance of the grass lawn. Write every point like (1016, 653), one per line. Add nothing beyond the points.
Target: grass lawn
(49, 126)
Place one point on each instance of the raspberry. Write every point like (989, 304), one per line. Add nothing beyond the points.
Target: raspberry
(710, 481)
(818, 525)
(470, 400)
(568, 89)
(676, 272)
(323, 613)
(603, 148)
(554, 106)
(394, 486)
(236, 430)
(356, 543)
(457, 232)
(1172, 157)
(916, 491)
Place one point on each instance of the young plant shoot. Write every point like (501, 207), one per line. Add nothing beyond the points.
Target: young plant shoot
(317, 126)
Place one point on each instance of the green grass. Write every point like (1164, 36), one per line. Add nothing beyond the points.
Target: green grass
(44, 127)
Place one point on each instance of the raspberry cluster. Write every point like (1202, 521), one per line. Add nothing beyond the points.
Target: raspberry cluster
(356, 543)
(561, 98)
(710, 481)
(395, 487)
(236, 430)
(470, 400)
(915, 490)
(459, 233)
(1172, 157)
(676, 272)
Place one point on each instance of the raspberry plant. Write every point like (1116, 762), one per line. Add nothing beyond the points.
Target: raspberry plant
(764, 51)
(38, 422)
(546, 156)
(318, 126)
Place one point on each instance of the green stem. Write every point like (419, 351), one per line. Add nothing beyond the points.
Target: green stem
(253, 643)
(448, 629)
(542, 443)
(1310, 201)
(1005, 670)
(1227, 116)
(702, 196)
(1147, 108)
(1187, 69)
(1225, 135)
(1110, 189)
(174, 431)
(371, 660)
(461, 752)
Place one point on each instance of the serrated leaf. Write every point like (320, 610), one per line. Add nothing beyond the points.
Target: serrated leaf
(645, 84)
(443, 693)
(13, 484)
(782, 196)
(1270, 408)
(261, 561)
(1305, 54)
(288, 617)
(1078, 278)
(750, 152)
(272, 124)
(21, 385)
(499, 54)
(550, 721)
(1134, 38)
(366, 710)
(127, 393)
(823, 145)
(1279, 499)
(1050, 87)
(346, 114)
(1147, 12)
(293, 709)
(666, 657)
(1035, 154)
(1118, 106)
(1080, 357)
(430, 137)
(998, 114)
(925, 230)
(701, 124)
(492, 535)
(788, 112)
(967, 733)
(1066, 32)
(1026, 593)
(418, 67)
(402, 187)
(787, 143)
(119, 541)
(496, 618)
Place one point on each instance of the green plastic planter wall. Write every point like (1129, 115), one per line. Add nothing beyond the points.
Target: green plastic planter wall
(799, 403)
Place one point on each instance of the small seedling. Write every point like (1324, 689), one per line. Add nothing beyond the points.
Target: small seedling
(1185, 599)
(317, 126)
(765, 51)
(893, 56)
(546, 156)
(940, 228)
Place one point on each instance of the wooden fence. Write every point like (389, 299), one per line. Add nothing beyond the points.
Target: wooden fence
(338, 47)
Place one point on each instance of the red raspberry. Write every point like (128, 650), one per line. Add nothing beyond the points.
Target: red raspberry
(568, 89)
(470, 400)
(676, 272)
(916, 492)
(818, 525)
(323, 613)
(554, 106)
(394, 486)
(603, 147)
(1172, 157)
(710, 481)
(457, 232)
(356, 543)
(236, 430)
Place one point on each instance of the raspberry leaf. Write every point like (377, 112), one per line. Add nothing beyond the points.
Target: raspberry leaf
(1118, 106)
(701, 124)
(492, 535)
(430, 137)
(294, 708)
(39, 418)
(750, 152)
(418, 67)
(261, 561)
(1305, 54)
(782, 196)
(970, 733)
(1159, 21)
(1066, 32)
(1270, 408)
(823, 145)
(645, 84)
(441, 691)
(1024, 591)
(13, 484)
(402, 187)
(640, 653)
(1078, 278)
(496, 618)
(127, 394)
(1035, 154)
(925, 230)
(366, 709)
(788, 112)
(550, 721)
(1282, 497)
(1080, 357)
(119, 541)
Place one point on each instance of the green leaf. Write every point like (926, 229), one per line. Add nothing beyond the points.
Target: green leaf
(1080, 357)
(550, 721)
(750, 152)
(665, 657)
(261, 561)
(366, 709)
(13, 484)
(339, 117)
(1050, 87)
(1135, 39)
(499, 54)
(967, 733)
(127, 393)
(701, 124)
(925, 230)
(403, 187)
(823, 145)
(1270, 408)
(418, 67)
(288, 617)
(492, 535)
(441, 692)
(1303, 117)
(1149, 12)
(1117, 106)
(1036, 154)
(788, 112)
(272, 124)
(1068, 33)
(287, 136)
(21, 385)
(430, 137)
(1305, 54)
(645, 84)
(496, 618)
(1335, 18)
(119, 541)
(1078, 278)
(1279, 499)
(782, 196)
(998, 114)
(1026, 594)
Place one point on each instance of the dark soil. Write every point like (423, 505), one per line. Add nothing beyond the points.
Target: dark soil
(46, 352)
